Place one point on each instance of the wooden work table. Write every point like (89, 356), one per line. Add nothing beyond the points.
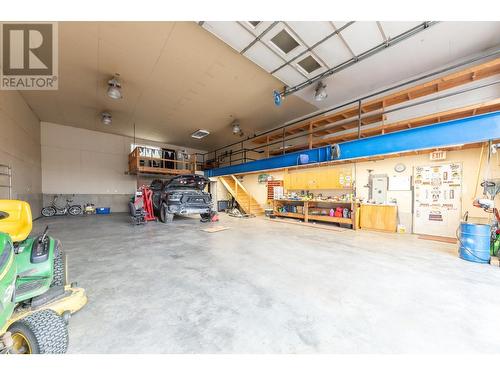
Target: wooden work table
(308, 205)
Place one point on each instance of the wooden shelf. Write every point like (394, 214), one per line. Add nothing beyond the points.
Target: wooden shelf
(306, 216)
(313, 201)
(332, 219)
(290, 214)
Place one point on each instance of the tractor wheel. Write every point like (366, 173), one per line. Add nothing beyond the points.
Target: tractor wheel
(165, 216)
(43, 332)
(59, 278)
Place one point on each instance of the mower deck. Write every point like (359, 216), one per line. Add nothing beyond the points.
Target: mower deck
(72, 300)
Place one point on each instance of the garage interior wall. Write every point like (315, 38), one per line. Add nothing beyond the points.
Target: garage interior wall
(469, 158)
(89, 164)
(20, 148)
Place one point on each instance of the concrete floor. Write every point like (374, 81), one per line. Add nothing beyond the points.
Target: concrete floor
(264, 287)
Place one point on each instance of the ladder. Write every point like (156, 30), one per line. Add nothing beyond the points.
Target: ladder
(6, 173)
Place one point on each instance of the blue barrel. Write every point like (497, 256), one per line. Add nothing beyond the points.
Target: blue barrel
(474, 242)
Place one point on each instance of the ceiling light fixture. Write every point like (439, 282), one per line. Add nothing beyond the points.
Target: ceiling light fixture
(236, 127)
(115, 87)
(106, 118)
(320, 92)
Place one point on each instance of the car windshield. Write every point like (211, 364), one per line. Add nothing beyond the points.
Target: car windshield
(187, 182)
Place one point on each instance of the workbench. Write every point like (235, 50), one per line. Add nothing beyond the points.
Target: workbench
(306, 206)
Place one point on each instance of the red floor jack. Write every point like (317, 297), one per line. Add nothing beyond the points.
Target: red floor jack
(147, 196)
(143, 203)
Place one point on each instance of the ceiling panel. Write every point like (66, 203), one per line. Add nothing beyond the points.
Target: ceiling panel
(361, 36)
(263, 56)
(256, 31)
(311, 32)
(230, 32)
(392, 29)
(339, 24)
(289, 76)
(333, 51)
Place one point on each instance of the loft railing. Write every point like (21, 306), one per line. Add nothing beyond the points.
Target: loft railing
(138, 163)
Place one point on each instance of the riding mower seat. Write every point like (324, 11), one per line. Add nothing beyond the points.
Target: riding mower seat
(18, 222)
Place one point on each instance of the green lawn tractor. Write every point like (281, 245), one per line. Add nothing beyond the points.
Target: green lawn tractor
(35, 298)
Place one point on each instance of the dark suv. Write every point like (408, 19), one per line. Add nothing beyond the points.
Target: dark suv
(182, 195)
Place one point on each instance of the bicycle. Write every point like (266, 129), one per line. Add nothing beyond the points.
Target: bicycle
(54, 210)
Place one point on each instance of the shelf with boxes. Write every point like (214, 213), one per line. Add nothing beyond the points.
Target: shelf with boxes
(318, 194)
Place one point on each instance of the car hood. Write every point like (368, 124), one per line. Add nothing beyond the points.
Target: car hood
(194, 182)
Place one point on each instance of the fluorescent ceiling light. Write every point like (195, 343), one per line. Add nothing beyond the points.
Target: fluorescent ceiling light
(200, 133)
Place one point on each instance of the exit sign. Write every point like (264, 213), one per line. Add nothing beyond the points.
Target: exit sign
(438, 155)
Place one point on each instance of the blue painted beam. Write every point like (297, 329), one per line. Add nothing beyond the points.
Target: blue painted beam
(456, 132)
(315, 155)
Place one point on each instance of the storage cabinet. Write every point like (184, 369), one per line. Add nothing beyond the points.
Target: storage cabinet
(378, 217)
(332, 178)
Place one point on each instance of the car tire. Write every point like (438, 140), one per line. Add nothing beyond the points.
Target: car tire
(165, 216)
(42, 332)
(48, 211)
(205, 218)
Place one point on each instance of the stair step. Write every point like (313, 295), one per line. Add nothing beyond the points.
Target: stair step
(246, 201)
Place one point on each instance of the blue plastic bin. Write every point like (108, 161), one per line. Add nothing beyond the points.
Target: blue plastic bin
(103, 210)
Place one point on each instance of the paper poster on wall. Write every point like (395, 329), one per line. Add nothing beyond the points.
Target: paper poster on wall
(399, 183)
(437, 199)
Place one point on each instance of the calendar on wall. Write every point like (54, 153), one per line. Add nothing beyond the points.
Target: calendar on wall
(437, 199)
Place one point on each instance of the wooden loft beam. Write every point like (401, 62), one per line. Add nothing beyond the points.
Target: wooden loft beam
(279, 133)
(476, 72)
(454, 114)
(449, 81)
(350, 125)
(299, 147)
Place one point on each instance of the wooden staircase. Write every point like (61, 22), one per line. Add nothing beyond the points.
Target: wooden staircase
(247, 202)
